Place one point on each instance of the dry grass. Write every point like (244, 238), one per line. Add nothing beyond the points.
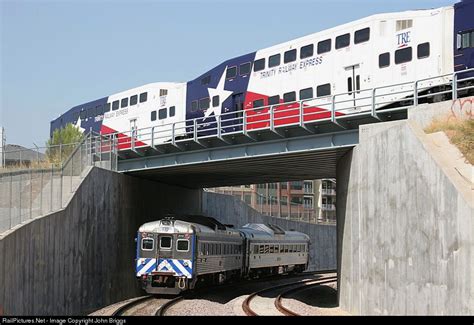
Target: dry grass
(460, 133)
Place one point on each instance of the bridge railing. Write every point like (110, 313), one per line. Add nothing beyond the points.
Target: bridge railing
(334, 108)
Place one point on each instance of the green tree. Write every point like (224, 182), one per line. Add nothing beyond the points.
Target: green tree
(63, 143)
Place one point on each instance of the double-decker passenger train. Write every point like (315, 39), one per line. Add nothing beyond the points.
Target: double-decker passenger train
(177, 253)
(377, 51)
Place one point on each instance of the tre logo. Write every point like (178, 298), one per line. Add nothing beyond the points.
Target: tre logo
(403, 39)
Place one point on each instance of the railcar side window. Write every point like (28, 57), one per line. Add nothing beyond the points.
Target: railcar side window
(323, 90)
(83, 115)
(343, 41)
(306, 51)
(274, 60)
(231, 73)
(194, 105)
(403, 55)
(107, 108)
(215, 101)
(423, 50)
(172, 111)
(115, 105)
(143, 97)
(245, 68)
(204, 103)
(289, 97)
(124, 103)
(162, 113)
(273, 100)
(206, 80)
(306, 93)
(165, 242)
(98, 110)
(255, 249)
(384, 60)
(153, 116)
(289, 56)
(324, 46)
(133, 100)
(362, 35)
(147, 244)
(258, 103)
(90, 112)
(182, 245)
(259, 65)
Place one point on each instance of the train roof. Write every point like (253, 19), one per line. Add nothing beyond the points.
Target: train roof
(185, 224)
(268, 231)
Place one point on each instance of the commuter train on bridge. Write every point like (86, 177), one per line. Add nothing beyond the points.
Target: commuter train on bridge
(175, 254)
(380, 50)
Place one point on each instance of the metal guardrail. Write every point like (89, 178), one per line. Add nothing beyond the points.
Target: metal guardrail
(304, 113)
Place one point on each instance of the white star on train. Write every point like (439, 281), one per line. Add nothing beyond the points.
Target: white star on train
(78, 125)
(218, 91)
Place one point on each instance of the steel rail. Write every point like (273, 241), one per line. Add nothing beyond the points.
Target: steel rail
(124, 308)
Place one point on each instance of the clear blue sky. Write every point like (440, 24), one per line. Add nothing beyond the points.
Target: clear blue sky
(58, 54)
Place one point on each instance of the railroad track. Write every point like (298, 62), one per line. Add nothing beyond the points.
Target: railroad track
(296, 286)
(124, 308)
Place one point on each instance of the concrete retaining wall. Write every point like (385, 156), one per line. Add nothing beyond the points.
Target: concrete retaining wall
(405, 233)
(231, 210)
(81, 258)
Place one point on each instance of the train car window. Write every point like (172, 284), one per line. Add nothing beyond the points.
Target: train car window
(465, 40)
(323, 90)
(75, 116)
(306, 93)
(358, 83)
(324, 46)
(172, 111)
(362, 35)
(255, 249)
(423, 50)
(273, 100)
(204, 103)
(194, 105)
(261, 249)
(90, 112)
(289, 97)
(107, 108)
(133, 100)
(343, 41)
(147, 244)
(306, 51)
(115, 105)
(206, 80)
(384, 60)
(403, 55)
(259, 65)
(245, 68)
(98, 110)
(83, 115)
(286, 248)
(163, 92)
(231, 73)
(289, 56)
(267, 248)
(215, 101)
(162, 113)
(165, 242)
(274, 61)
(143, 97)
(124, 102)
(258, 103)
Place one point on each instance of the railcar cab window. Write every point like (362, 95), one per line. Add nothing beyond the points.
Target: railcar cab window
(245, 68)
(324, 46)
(124, 103)
(206, 80)
(289, 97)
(204, 103)
(343, 41)
(182, 245)
(133, 100)
(258, 103)
(289, 56)
(465, 40)
(147, 244)
(143, 97)
(194, 105)
(323, 90)
(231, 73)
(384, 60)
(423, 50)
(273, 100)
(259, 65)
(215, 101)
(274, 61)
(162, 113)
(306, 93)
(107, 108)
(165, 242)
(172, 111)
(153, 116)
(306, 51)
(98, 110)
(362, 35)
(115, 105)
(403, 55)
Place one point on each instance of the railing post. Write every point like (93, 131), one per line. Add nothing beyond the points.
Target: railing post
(173, 134)
(11, 199)
(153, 137)
(19, 196)
(100, 149)
(72, 166)
(374, 114)
(195, 129)
(31, 193)
(272, 118)
(218, 126)
(333, 108)
(60, 154)
(415, 94)
(61, 187)
(51, 193)
(455, 86)
(41, 193)
(244, 127)
(301, 114)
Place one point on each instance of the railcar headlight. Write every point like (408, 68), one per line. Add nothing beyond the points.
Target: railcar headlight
(185, 263)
